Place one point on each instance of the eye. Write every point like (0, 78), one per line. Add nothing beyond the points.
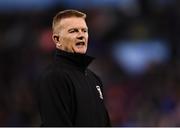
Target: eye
(84, 30)
(73, 30)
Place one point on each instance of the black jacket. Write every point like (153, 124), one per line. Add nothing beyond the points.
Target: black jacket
(70, 94)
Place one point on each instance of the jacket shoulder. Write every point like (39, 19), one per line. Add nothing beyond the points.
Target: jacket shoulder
(53, 74)
(53, 69)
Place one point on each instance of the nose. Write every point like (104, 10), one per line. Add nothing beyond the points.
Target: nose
(80, 37)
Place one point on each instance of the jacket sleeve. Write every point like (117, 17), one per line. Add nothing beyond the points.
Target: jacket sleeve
(55, 100)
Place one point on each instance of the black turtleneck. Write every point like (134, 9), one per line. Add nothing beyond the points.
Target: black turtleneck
(70, 94)
(73, 59)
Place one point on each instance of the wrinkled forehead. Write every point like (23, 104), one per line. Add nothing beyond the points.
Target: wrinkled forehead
(72, 22)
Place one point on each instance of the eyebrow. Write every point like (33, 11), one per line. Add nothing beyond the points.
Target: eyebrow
(72, 29)
(77, 29)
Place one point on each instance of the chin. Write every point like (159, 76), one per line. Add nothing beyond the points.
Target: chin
(81, 51)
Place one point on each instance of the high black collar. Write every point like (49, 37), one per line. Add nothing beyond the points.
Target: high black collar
(73, 59)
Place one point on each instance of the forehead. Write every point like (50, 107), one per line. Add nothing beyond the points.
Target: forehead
(73, 22)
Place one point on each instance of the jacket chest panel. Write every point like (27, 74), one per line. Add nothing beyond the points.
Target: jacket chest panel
(88, 102)
(85, 86)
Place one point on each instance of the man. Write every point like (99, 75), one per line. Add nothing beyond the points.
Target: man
(69, 93)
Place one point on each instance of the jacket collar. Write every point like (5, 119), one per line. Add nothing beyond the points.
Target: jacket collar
(73, 59)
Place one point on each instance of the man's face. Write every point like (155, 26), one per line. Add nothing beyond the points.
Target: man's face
(73, 35)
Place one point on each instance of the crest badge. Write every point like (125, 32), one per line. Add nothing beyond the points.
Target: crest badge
(100, 93)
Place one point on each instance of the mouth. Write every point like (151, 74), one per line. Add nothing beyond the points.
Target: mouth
(82, 43)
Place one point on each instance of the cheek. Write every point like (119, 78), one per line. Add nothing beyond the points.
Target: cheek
(87, 36)
(67, 40)
(87, 41)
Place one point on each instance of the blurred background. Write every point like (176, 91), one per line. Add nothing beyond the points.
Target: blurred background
(137, 50)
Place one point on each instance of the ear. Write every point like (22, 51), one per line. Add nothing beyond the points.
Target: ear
(55, 38)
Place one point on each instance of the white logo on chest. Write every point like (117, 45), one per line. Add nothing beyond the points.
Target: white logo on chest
(100, 93)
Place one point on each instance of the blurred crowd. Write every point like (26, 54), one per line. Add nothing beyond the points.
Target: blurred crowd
(136, 46)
